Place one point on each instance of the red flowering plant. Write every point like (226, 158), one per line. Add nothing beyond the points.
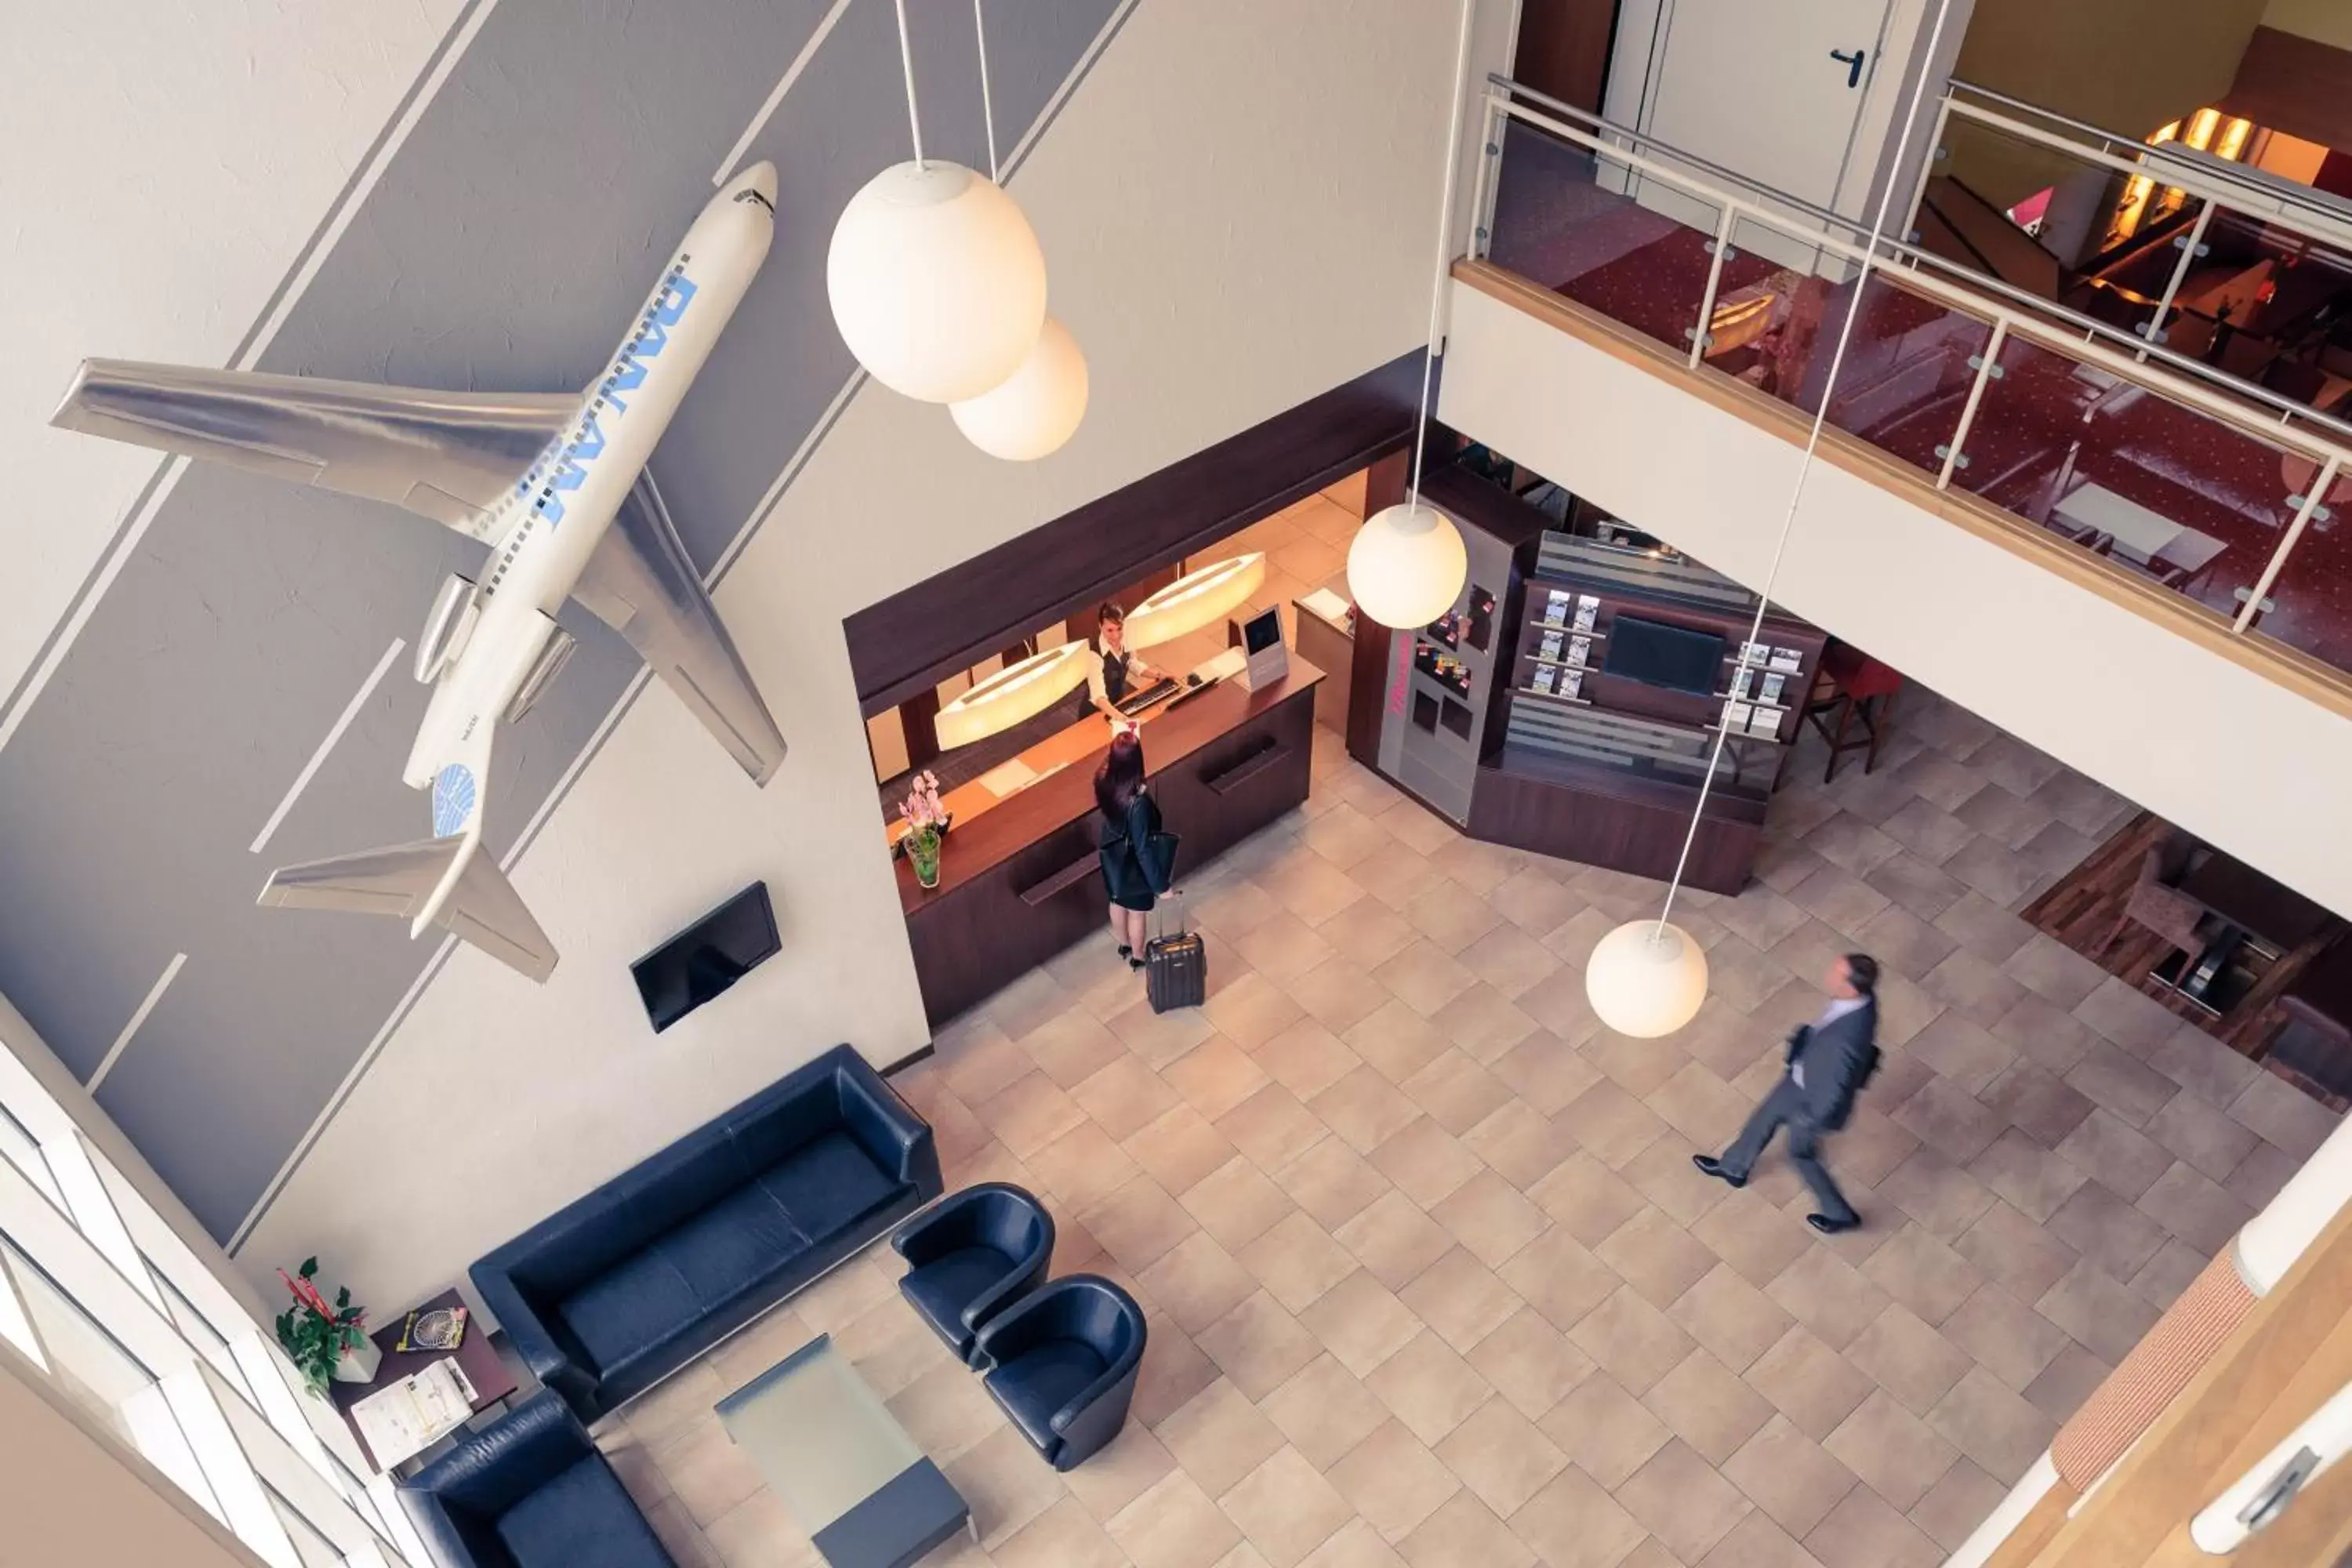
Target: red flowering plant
(313, 1335)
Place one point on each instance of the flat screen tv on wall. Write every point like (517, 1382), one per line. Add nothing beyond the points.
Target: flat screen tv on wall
(1656, 654)
(707, 957)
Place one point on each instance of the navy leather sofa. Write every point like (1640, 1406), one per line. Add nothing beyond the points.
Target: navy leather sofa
(608, 1296)
(530, 1491)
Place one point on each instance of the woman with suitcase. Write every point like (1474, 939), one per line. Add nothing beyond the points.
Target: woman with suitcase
(1138, 857)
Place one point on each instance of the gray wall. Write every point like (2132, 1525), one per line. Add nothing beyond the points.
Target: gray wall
(515, 229)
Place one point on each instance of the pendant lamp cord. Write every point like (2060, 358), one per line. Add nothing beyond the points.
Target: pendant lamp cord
(907, 64)
(1813, 443)
(1444, 252)
(987, 109)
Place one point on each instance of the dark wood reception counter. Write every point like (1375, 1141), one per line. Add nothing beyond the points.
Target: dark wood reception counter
(1018, 876)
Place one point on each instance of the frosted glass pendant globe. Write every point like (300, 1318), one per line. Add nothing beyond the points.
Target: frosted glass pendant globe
(1407, 566)
(1646, 980)
(1035, 409)
(937, 283)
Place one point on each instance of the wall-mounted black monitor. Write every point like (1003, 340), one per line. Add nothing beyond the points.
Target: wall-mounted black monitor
(1656, 654)
(707, 957)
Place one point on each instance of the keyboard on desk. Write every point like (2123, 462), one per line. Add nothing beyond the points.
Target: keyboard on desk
(1135, 702)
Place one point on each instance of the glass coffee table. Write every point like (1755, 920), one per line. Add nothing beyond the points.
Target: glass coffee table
(842, 1464)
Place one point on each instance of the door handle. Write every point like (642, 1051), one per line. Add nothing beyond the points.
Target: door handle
(1852, 63)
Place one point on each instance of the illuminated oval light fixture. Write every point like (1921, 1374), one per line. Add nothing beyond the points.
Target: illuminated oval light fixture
(1036, 409)
(1646, 978)
(937, 283)
(1197, 599)
(1017, 692)
(1407, 566)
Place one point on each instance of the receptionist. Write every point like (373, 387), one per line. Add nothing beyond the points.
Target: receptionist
(1119, 673)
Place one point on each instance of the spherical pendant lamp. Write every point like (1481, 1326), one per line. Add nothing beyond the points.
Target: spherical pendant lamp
(1407, 566)
(1035, 409)
(1646, 979)
(937, 283)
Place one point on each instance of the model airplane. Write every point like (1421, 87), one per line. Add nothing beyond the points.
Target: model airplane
(557, 487)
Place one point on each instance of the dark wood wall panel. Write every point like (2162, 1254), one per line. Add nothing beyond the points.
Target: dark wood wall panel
(951, 621)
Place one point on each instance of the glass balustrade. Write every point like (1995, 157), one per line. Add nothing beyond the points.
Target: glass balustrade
(2156, 459)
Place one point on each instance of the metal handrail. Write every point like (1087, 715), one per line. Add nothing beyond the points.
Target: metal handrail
(2109, 140)
(2330, 457)
(1974, 282)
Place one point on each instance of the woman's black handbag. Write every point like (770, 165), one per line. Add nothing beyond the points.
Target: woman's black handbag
(1176, 965)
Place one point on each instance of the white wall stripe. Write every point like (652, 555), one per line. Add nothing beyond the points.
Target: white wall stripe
(154, 995)
(318, 758)
(783, 85)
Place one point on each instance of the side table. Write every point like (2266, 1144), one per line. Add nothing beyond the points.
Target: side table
(475, 1355)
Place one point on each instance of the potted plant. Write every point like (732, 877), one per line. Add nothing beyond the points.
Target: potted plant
(325, 1344)
(927, 821)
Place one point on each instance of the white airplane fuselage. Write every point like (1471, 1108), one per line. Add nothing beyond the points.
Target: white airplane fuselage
(561, 509)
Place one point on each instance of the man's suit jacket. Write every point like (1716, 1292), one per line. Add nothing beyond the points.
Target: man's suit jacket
(1836, 1058)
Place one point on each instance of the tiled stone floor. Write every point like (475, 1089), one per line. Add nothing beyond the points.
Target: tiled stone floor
(1430, 1278)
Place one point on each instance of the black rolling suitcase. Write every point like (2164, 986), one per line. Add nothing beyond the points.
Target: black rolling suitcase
(1176, 965)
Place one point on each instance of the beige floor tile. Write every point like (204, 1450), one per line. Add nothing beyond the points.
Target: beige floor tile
(1954, 1506)
(1521, 1144)
(2194, 1209)
(2116, 1154)
(758, 1533)
(1214, 1075)
(1364, 1108)
(1560, 1278)
(1174, 1525)
(679, 1535)
(1607, 1432)
(1501, 1456)
(1611, 1125)
(754, 1349)
(1160, 1037)
(1706, 1406)
(1862, 1532)
(1123, 1096)
(1464, 1533)
(1286, 1507)
(1425, 976)
(1307, 1057)
(1923, 1273)
(1735, 1321)
(1829, 1297)
(1707, 1112)
(1993, 1424)
(1557, 1003)
(1451, 917)
(1250, 1009)
(1546, 1072)
(2022, 1256)
(1427, 1163)
(678, 1402)
(1757, 1238)
(2073, 1375)
(1310, 885)
(1899, 1455)
(1174, 1369)
(1324, 1411)
(705, 1471)
(1237, 1203)
(1282, 947)
(1332, 1182)
(1196, 1283)
(1908, 1359)
(1460, 1298)
(1809, 1382)
(1459, 1093)
(945, 1411)
(890, 1346)
(1064, 1536)
(1355, 1545)
(1398, 1041)
(1369, 933)
(1789, 1476)
(1072, 1046)
(2005, 1336)
(1219, 1436)
(1572, 1523)
(1005, 1485)
(1082, 1167)
(1510, 960)
(1178, 1147)
(2211, 1141)
(1428, 1386)
(1393, 1239)
(1680, 1498)
(1297, 1260)
(1337, 993)
(1530, 1363)
(1657, 1257)
(1393, 1480)
(1139, 1223)
(1487, 1024)
(2032, 1180)
(1131, 1466)
(1259, 1345)
(2105, 1318)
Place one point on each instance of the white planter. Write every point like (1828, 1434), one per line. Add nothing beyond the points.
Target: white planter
(359, 1361)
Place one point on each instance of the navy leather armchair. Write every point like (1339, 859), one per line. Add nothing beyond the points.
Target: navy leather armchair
(1061, 1362)
(530, 1491)
(971, 1255)
(612, 1293)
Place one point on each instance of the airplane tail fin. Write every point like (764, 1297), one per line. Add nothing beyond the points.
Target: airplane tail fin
(434, 881)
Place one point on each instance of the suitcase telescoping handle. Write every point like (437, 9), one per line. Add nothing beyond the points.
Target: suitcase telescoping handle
(1159, 916)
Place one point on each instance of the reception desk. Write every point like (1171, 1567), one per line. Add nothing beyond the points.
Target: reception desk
(1019, 881)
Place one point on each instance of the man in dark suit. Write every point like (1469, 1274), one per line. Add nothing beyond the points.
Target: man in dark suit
(1828, 1062)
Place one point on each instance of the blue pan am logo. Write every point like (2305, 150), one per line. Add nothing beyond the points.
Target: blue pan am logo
(453, 799)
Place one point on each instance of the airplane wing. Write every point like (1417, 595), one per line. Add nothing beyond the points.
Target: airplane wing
(449, 456)
(641, 583)
(483, 909)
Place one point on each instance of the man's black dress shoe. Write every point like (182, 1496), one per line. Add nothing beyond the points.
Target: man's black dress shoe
(1829, 1226)
(1709, 1165)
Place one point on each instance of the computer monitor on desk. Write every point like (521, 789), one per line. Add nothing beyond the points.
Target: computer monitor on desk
(1267, 659)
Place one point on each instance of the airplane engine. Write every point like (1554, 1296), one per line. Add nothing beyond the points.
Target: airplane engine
(558, 652)
(447, 624)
